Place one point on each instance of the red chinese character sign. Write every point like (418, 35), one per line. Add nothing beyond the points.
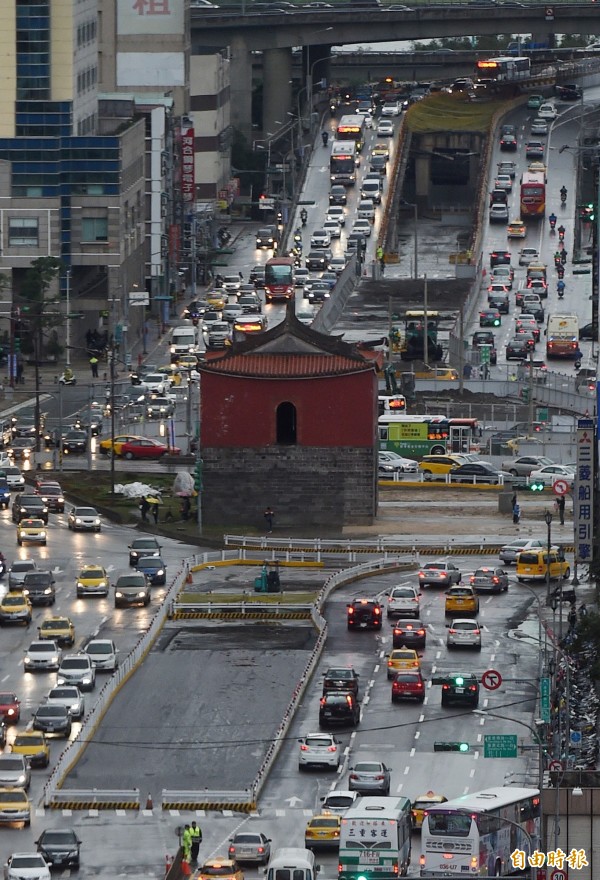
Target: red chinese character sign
(583, 506)
(188, 173)
(150, 17)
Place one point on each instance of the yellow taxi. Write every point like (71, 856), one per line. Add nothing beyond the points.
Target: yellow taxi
(537, 166)
(438, 374)
(15, 608)
(173, 372)
(536, 270)
(32, 531)
(516, 229)
(33, 745)
(187, 361)
(92, 581)
(117, 443)
(217, 299)
(381, 149)
(14, 806)
(401, 660)
(461, 600)
(224, 869)
(323, 832)
(431, 465)
(425, 802)
(59, 630)
(533, 564)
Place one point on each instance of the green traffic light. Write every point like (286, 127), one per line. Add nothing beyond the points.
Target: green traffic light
(537, 487)
(463, 747)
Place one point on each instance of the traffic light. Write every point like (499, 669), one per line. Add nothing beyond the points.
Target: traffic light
(451, 747)
(536, 486)
(198, 476)
(17, 344)
(587, 214)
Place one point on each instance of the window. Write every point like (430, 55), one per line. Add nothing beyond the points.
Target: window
(23, 232)
(286, 423)
(94, 229)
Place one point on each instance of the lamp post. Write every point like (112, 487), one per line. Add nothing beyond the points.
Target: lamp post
(484, 713)
(548, 521)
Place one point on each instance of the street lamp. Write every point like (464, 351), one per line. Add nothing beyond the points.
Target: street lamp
(548, 521)
(484, 713)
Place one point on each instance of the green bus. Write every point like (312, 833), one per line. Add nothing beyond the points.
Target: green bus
(416, 436)
(375, 839)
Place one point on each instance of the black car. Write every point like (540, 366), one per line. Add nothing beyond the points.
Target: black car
(60, 848)
(338, 195)
(53, 718)
(508, 129)
(267, 237)
(140, 547)
(485, 337)
(338, 707)
(250, 303)
(364, 614)
(481, 471)
(587, 332)
(409, 634)
(74, 442)
(569, 92)
(518, 348)
(341, 678)
(4, 493)
(500, 301)
(257, 276)
(534, 150)
(378, 164)
(22, 448)
(508, 143)
(500, 258)
(26, 506)
(461, 688)
(39, 587)
(319, 292)
(317, 260)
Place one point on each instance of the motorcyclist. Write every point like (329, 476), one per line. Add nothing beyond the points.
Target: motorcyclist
(563, 194)
(560, 287)
(325, 136)
(557, 258)
(332, 109)
(68, 374)
(560, 269)
(303, 216)
(297, 234)
(552, 220)
(561, 231)
(563, 256)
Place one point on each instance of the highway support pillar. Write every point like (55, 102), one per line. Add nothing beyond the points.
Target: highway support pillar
(241, 87)
(277, 89)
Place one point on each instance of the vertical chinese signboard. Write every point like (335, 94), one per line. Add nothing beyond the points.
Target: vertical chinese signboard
(583, 502)
(188, 176)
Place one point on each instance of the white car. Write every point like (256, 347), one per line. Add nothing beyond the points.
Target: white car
(320, 239)
(42, 654)
(539, 127)
(333, 228)
(504, 181)
(306, 316)
(547, 111)
(366, 210)
(155, 383)
(17, 572)
(231, 283)
(398, 462)
(103, 654)
(339, 801)
(391, 108)
(14, 478)
(364, 227)
(231, 312)
(403, 602)
(68, 696)
(528, 255)
(509, 553)
(301, 276)
(464, 632)
(319, 749)
(551, 473)
(26, 866)
(385, 128)
(335, 212)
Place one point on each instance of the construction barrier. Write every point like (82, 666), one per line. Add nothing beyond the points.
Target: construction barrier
(82, 799)
(249, 612)
(214, 806)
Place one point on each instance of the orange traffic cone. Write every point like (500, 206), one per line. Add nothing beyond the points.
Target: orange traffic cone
(149, 805)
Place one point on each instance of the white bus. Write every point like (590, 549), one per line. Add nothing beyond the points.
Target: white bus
(474, 835)
(342, 163)
(562, 336)
(375, 839)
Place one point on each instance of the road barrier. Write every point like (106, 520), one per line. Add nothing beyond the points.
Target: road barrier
(239, 611)
(236, 801)
(105, 799)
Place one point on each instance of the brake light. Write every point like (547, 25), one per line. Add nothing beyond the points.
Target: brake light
(377, 611)
(390, 662)
(379, 778)
(421, 861)
(496, 580)
(323, 701)
(421, 632)
(476, 632)
(332, 748)
(353, 776)
(303, 748)
(231, 850)
(445, 687)
(350, 610)
(453, 631)
(349, 700)
(420, 685)
(472, 687)
(472, 579)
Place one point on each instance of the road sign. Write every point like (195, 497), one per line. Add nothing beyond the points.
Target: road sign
(549, 13)
(500, 745)
(559, 874)
(266, 204)
(555, 765)
(560, 487)
(576, 739)
(491, 679)
(545, 699)
(139, 298)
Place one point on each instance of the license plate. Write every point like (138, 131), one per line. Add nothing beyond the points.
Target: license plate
(363, 625)
(460, 690)
(368, 859)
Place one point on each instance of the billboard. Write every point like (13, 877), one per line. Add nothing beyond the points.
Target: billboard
(583, 498)
(155, 17)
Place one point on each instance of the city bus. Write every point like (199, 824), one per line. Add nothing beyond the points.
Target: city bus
(474, 835)
(342, 163)
(352, 128)
(504, 68)
(416, 436)
(279, 279)
(562, 336)
(533, 194)
(375, 839)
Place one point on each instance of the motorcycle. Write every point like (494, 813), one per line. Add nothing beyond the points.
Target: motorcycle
(560, 289)
(303, 218)
(563, 197)
(561, 235)
(552, 221)
(560, 269)
(332, 110)
(67, 378)
(298, 236)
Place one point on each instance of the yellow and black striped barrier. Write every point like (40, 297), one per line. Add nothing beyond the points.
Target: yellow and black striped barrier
(263, 614)
(215, 806)
(94, 805)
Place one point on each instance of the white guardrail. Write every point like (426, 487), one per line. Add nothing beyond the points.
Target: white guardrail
(54, 794)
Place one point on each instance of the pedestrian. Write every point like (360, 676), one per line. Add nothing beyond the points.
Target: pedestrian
(196, 840)
(20, 378)
(269, 517)
(516, 513)
(572, 616)
(467, 370)
(486, 371)
(186, 844)
(154, 512)
(94, 366)
(561, 509)
(144, 508)
(380, 258)
(582, 609)
(185, 507)
(513, 500)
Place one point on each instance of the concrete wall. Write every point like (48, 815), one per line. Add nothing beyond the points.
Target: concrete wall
(307, 488)
(211, 112)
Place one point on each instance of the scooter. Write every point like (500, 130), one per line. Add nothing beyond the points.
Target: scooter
(332, 110)
(67, 378)
(560, 288)
(303, 218)
(561, 235)
(560, 271)
(563, 197)
(552, 221)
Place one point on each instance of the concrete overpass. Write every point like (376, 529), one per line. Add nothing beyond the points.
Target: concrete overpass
(317, 30)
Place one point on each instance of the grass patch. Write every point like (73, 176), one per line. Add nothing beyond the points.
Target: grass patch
(289, 598)
(451, 112)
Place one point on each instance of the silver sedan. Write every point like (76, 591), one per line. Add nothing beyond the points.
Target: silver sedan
(464, 633)
(369, 776)
(247, 846)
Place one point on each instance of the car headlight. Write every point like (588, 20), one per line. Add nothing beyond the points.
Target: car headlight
(28, 661)
(48, 590)
(86, 680)
(102, 584)
(141, 594)
(60, 679)
(21, 780)
(96, 522)
(78, 520)
(118, 595)
(160, 571)
(43, 535)
(80, 585)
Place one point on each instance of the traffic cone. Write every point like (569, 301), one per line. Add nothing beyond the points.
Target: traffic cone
(189, 578)
(149, 805)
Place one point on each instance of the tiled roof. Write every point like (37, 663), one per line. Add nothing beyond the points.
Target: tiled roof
(283, 365)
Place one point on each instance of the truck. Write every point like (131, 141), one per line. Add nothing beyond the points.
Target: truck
(185, 339)
(562, 336)
(375, 839)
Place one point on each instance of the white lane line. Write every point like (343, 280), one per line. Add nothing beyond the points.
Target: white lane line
(6, 677)
(476, 755)
(412, 752)
(438, 655)
(421, 718)
(472, 772)
(377, 667)
(406, 770)
(400, 787)
(486, 703)
(417, 734)
(482, 721)
(492, 658)
(479, 737)
(371, 682)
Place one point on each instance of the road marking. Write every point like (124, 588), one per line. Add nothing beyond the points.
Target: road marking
(371, 682)
(412, 752)
(485, 703)
(492, 657)
(346, 751)
(173, 812)
(479, 737)
(417, 734)
(438, 655)
(366, 699)
(472, 772)
(400, 787)
(376, 668)
(407, 768)
(466, 790)
(481, 722)
(488, 600)
(433, 668)
(476, 755)
(6, 677)
(421, 718)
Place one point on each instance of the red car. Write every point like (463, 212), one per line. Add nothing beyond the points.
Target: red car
(408, 685)
(10, 707)
(146, 448)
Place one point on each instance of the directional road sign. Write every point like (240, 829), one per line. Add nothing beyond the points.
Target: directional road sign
(545, 699)
(500, 745)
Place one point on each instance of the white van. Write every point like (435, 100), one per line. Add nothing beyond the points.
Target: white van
(371, 189)
(292, 863)
(184, 339)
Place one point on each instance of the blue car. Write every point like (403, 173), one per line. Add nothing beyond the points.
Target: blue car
(154, 568)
